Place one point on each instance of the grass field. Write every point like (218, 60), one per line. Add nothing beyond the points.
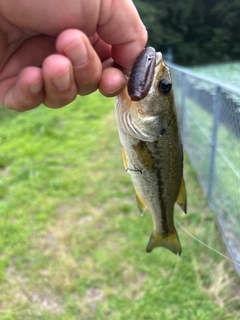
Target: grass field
(72, 244)
(227, 72)
(197, 128)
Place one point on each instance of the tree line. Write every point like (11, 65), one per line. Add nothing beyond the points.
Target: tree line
(197, 31)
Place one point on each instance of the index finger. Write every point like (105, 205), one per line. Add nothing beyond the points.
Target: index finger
(120, 25)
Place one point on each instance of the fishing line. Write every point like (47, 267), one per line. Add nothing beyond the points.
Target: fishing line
(206, 245)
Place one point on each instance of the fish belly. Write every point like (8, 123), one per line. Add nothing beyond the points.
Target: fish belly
(156, 172)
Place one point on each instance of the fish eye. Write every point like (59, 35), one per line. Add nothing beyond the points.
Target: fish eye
(165, 86)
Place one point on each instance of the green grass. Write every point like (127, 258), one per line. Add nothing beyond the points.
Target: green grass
(197, 131)
(227, 72)
(225, 193)
(72, 244)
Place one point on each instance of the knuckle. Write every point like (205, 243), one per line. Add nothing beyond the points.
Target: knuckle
(20, 105)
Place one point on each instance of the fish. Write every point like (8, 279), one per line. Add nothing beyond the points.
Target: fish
(152, 148)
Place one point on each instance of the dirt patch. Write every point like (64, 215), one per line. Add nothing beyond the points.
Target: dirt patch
(19, 289)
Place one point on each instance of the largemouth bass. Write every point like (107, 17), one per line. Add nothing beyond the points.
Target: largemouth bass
(151, 145)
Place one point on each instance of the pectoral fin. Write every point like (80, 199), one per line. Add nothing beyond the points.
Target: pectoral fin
(170, 242)
(140, 204)
(144, 155)
(124, 158)
(182, 196)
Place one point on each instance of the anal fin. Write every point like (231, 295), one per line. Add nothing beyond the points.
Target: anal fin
(182, 196)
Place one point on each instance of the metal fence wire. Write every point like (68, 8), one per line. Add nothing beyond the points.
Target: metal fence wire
(209, 115)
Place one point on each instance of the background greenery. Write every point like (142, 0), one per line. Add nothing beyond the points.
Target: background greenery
(198, 31)
(229, 71)
(72, 244)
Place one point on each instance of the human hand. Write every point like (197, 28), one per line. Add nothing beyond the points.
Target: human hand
(50, 51)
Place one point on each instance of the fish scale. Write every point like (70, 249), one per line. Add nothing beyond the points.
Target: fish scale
(152, 148)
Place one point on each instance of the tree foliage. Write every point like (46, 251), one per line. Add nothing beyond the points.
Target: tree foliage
(197, 31)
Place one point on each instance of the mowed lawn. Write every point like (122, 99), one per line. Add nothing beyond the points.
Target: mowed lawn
(229, 71)
(72, 244)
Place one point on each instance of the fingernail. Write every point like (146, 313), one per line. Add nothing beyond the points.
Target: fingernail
(62, 80)
(77, 52)
(36, 87)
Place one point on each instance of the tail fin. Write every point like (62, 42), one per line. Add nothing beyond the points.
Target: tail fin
(170, 242)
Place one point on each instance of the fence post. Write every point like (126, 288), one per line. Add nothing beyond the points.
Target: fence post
(216, 115)
(183, 107)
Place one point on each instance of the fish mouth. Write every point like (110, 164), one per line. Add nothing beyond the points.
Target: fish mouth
(158, 58)
(142, 74)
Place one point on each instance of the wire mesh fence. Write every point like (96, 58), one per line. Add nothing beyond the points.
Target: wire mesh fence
(209, 115)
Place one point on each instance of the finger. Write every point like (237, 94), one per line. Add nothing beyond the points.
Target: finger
(23, 92)
(103, 50)
(117, 22)
(120, 25)
(112, 81)
(59, 84)
(31, 53)
(87, 66)
(18, 81)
